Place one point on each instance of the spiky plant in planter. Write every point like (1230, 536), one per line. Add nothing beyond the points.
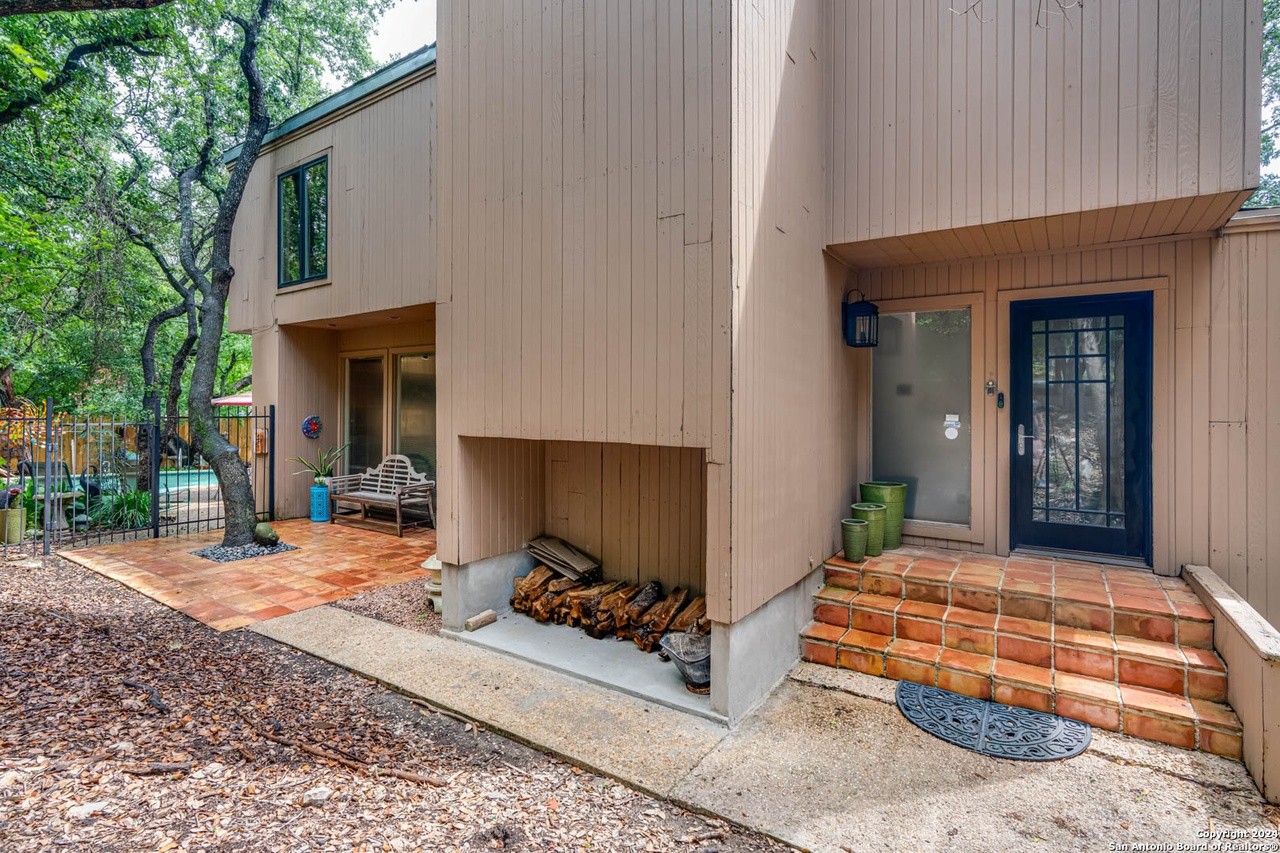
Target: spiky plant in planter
(322, 468)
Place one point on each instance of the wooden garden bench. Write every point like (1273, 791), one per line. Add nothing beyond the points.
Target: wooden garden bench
(393, 485)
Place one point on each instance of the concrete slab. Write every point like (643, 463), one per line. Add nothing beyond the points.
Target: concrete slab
(827, 770)
(649, 746)
(609, 663)
(825, 763)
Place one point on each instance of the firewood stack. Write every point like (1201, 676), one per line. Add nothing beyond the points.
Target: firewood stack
(641, 614)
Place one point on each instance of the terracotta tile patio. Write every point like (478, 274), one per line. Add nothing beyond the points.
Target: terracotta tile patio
(332, 562)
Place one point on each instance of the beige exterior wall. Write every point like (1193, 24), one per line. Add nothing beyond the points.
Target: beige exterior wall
(793, 448)
(382, 232)
(1216, 440)
(943, 121)
(584, 277)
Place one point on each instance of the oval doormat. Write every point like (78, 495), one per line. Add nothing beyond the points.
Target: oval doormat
(990, 728)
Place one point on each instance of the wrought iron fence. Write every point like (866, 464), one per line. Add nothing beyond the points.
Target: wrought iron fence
(72, 480)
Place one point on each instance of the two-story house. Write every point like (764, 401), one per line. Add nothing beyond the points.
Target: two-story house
(585, 263)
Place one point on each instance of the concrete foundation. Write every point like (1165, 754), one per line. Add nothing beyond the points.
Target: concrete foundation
(483, 585)
(749, 657)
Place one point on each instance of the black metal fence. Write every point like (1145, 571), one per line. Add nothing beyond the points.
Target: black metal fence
(72, 480)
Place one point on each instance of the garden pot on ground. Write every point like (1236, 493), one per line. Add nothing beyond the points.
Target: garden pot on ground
(894, 497)
(320, 502)
(854, 533)
(873, 514)
(13, 523)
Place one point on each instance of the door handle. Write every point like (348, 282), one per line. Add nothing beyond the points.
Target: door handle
(1022, 440)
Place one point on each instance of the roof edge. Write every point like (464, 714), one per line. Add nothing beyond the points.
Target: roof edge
(422, 58)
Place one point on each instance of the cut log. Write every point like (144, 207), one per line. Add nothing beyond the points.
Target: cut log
(600, 630)
(582, 603)
(541, 607)
(688, 618)
(529, 587)
(656, 619)
(629, 614)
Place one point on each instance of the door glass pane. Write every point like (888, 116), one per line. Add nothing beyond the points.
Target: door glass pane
(920, 424)
(416, 411)
(1077, 422)
(364, 413)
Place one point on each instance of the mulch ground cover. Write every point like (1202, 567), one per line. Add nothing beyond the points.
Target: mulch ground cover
(126, 726)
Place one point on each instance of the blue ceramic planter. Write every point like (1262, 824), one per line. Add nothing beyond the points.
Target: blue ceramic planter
(319, 503)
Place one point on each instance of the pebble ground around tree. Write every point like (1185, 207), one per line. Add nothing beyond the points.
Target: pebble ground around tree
(126, 726)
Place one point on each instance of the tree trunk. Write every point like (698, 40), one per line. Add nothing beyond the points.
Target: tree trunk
(222, 456)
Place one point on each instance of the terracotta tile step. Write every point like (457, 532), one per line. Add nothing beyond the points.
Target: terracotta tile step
(1139, 605)
(1138, 711)
(1198, 673)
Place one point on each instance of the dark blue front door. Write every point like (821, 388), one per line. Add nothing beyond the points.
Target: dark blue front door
(1081, 425)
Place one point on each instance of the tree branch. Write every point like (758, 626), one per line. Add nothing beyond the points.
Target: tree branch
(72, 67)
(41, 7)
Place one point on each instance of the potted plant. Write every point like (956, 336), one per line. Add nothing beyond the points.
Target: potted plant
(320, 470)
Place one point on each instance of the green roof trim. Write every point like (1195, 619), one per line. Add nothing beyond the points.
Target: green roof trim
(423, 57)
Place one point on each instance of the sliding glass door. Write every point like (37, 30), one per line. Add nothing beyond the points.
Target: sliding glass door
(365, 412)
(415, 412)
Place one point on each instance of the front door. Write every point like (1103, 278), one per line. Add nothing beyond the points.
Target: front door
(1081, 425)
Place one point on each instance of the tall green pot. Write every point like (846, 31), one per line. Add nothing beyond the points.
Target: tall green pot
(873, 514)
(13, 523)
(894, 498)
(854, 533)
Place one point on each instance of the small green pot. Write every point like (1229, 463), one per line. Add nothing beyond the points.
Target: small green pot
(894, 498)
(873, 514)
(13, 523)
(854, 532)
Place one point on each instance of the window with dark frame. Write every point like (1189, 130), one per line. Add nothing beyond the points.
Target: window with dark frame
(303, 220)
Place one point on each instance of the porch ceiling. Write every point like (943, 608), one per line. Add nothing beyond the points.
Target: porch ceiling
(1197, 215)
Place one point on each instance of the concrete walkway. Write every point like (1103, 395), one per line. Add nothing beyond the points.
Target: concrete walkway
(826, 763)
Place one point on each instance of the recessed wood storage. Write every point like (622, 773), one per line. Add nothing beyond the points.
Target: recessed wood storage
(610, 608)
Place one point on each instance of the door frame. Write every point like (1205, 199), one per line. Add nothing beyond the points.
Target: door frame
(973, 533)
(1161, 396)
(1134, 540)
(390, 388)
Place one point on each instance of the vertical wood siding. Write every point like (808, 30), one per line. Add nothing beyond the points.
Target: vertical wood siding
(640, 509)
(297, 369)
(382, 226)
(944, 120)
(581, 179)
(584, 264)
(793, 453)
(1221, 366)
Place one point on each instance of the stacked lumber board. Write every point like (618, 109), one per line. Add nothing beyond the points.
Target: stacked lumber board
(640, 613)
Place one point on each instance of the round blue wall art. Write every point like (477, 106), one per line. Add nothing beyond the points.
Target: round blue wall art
(311, 426)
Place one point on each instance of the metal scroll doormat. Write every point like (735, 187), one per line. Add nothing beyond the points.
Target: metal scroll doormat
(990, 728)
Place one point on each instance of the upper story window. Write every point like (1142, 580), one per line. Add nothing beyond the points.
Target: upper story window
(304, 222)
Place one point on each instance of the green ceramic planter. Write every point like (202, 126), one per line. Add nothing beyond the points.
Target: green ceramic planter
(13, 523)
(854, 531)
(873, 514)
(894, 498)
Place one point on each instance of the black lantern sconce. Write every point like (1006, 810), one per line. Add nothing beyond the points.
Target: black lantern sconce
(860, 321)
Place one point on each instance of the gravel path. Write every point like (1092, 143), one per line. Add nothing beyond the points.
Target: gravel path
(231, 742)
(404, 605)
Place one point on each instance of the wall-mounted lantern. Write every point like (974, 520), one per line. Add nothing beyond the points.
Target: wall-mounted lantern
(860, 321)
